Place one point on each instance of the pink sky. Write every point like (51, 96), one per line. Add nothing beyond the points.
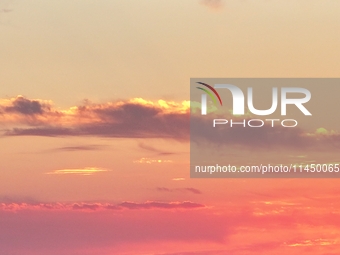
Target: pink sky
(94, 126)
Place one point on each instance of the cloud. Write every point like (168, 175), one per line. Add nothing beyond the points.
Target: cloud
(289, 224)
(6, 10)
(25, 106)
(155, 150)
(316, 242)
(149, 205)
(28, 112)
(91, 207)
(202, 131)
(190, 190)
(213, 4)
(80, 148)
(136, 118)
(178, 179)
(139, 118)
(160, 205)
(151, 161)
(43, 131)
(79, 171)
(17, 200)
(5, 6)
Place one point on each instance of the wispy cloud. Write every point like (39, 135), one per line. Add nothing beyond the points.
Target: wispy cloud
(315, 242)
(162, 205)
(264, 137)
(184, 190)
(186, 205)
(79, 171)
(5, 6)
(6, 10)
(152, 161)
(159, 152)
(80, 148)
(213, 4)
(178, 179)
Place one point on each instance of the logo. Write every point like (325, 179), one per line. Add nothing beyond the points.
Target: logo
(209, 93)
(280, 99)
(239, 99)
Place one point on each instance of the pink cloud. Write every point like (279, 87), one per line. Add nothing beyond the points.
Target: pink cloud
(149, 205)
(288, 223)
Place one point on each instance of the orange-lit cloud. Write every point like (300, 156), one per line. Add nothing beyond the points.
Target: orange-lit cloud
(315, 242)
(21, 110)
(79, 171)
(151, 161)
(139, 118)
(178, 179)
(136, 118)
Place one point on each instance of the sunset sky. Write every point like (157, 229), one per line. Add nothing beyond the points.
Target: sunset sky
(94, 128)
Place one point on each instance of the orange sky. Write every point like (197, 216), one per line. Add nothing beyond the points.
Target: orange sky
(94, 125)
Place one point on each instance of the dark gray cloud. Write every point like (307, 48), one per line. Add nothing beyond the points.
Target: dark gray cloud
(27, 107)
(137, 119)
(130, 120)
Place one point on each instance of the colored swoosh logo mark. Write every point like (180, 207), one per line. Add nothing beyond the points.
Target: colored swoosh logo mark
(209, 93)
